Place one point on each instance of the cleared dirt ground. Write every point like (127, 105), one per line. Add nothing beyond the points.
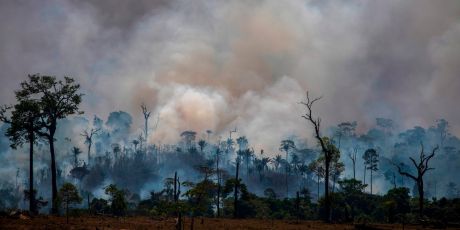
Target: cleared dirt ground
(99, 222)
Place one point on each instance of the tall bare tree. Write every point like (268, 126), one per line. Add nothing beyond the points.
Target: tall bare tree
(237, 182)
(89, 140)
(327, 150)
(422, 168)
(218, 177)
(353, 155)
(146, 114)
(285, 146)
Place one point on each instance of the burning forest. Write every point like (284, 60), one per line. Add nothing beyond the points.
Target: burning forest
(173, 114)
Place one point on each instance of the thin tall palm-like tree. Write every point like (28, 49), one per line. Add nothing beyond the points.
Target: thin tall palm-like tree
(285, 146)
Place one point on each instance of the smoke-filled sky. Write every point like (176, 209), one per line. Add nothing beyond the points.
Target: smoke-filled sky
(222, 64)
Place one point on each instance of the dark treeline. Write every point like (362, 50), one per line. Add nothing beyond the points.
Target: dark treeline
(382, 174)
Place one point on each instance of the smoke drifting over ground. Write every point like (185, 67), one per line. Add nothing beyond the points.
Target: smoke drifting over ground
(214, 65)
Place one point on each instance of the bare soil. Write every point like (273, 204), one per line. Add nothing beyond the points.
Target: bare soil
(107, 223)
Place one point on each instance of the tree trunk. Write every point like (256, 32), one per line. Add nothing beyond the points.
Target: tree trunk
(354, 170)
(146, 129)
(371, 181)
(175, 187)
(317, 198)
(297, 206)
(364, 180)
(218, 185)
(235, 202)
(247, 168)
(326, 191)
(32, 208)
(287, 185)
(89, 152)
(333, 183)
(420, 196)
(54, 208)
(176, 198)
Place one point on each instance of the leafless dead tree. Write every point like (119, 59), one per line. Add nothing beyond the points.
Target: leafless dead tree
(89, 140)
(422, 168)
(147, 114)
(352, 156)
(328, 153)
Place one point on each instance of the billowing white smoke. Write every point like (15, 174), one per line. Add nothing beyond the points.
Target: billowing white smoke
(188, 108)
(222, 64)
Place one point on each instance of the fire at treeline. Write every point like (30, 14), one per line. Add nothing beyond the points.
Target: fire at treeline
(382, 174)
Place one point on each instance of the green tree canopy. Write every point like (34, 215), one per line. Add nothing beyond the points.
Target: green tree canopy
(117, 200)
(68, 195)
(56, 99)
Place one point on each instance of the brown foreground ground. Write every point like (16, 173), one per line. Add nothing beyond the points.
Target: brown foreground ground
(99, 222)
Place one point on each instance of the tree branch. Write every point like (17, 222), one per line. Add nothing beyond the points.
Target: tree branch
(427, 159)
(3, 110)
(413, 161)
(400, 171)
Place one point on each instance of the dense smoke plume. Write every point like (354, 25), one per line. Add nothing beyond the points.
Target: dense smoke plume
(217, 64)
